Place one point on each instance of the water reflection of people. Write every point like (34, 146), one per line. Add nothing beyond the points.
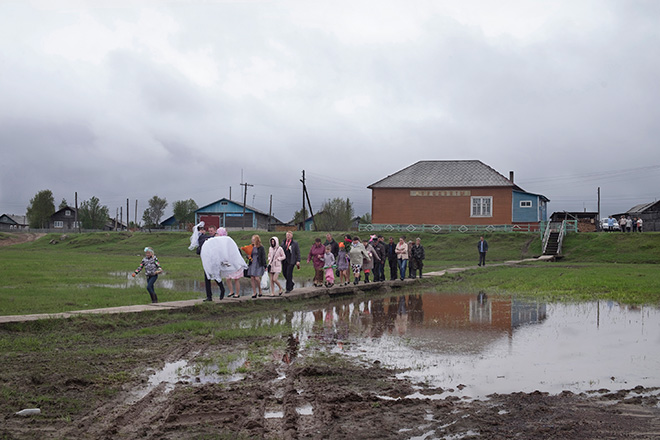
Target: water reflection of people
(416, 309)
(482, 297)
(292, 347)
(392, 310)
(378, 318)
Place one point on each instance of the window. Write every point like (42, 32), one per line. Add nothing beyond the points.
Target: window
(58, 224)
(525, 203)
(67, 213)
(482, 207)
(224, 203)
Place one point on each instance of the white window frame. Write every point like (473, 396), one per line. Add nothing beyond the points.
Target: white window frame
(58, 224)
(67, 213)
(478, 202)
(525, 203)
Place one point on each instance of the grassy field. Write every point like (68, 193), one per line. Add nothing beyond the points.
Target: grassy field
(82, 271)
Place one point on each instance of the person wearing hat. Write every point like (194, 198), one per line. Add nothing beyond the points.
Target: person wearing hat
(151, 270)
(343, 265)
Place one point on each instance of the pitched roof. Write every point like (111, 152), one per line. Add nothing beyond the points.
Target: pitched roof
(14, 219)
(641, 208)
(444, 174)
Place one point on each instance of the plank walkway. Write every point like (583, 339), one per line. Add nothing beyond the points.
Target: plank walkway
(299, 293)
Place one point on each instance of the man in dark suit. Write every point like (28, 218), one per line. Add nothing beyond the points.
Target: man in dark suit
(207, 283)
(482, 247)
(391, 257)
(292, 252)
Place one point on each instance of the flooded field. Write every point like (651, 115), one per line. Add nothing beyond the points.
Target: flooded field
(474, 345)
(470, 346)
(408, 366)
(196, 285)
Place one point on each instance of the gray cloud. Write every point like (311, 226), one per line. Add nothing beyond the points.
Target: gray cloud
(180, 100)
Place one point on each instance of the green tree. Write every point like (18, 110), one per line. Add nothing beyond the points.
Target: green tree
(366, 218)
(184, 211)
(63, 204)
(41, 207)
(92, 215)
(336, 215)
(154, 212)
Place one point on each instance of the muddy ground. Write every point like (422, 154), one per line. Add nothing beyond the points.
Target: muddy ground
(12, 239)
(295, 393)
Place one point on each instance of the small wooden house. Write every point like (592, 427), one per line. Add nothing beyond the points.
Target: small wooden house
(649, 213)
(64, 219)
(587, 221)
(13, 223)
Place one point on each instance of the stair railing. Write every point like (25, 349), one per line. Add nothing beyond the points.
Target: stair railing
(560, 239)
(546, 236)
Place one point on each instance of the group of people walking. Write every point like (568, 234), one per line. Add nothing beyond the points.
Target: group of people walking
(625, 223)
(367, 257)
(222, 259)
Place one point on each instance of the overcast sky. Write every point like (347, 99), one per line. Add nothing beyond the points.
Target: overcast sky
(127, 100)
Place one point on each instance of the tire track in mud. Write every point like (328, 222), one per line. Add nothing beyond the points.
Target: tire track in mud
(130, 415)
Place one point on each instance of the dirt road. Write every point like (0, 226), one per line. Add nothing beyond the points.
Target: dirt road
(18, 238)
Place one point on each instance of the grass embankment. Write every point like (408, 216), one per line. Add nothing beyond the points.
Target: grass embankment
(613, 266)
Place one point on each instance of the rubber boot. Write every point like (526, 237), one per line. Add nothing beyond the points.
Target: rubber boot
(222, 290)
(366, 278)
(154, 298)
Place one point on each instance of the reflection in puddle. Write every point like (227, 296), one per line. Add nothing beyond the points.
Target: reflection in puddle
(472, 346)
(186, 285)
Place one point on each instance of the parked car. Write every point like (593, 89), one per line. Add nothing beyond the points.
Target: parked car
(605, 227)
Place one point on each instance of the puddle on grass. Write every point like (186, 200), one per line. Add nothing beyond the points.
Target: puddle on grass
(186, 372)
(472, 346)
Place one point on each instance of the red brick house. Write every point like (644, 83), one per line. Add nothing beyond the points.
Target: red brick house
(453, 192)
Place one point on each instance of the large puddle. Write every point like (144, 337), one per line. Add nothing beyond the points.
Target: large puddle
(474, 345)
(469, 346)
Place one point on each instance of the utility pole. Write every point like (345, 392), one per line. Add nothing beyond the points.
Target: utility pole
(76, 216)
(304, 212)
(600, 223)
(121, 216)
(127, 215)
(244, 201)
(270, 211)
(306, 195)
(135, 214)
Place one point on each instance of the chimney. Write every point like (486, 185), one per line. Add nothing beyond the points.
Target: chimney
(511, 176)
